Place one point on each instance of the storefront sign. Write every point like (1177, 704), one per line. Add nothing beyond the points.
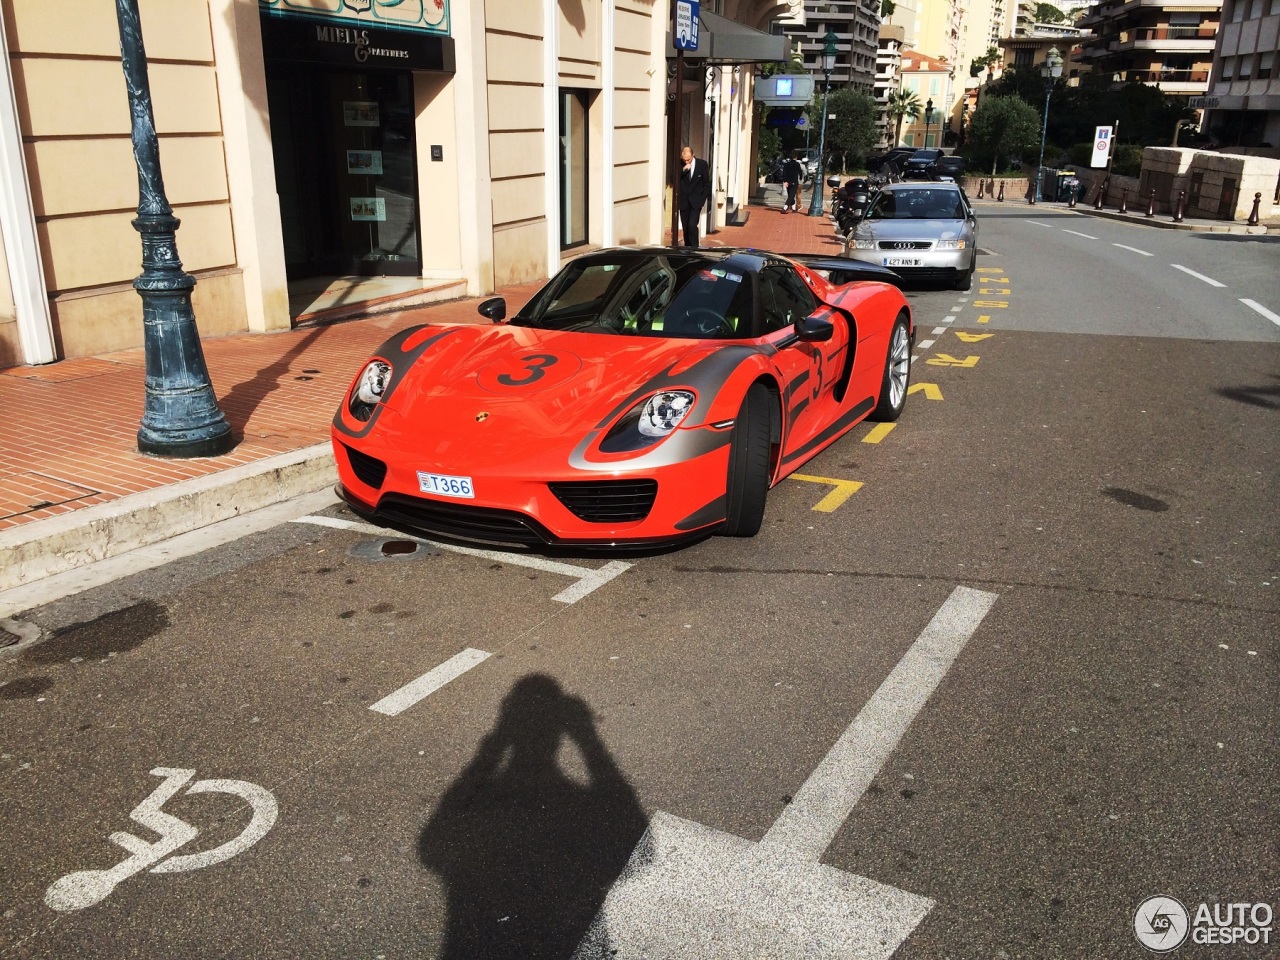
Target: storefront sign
(430, 16)
(353, 44)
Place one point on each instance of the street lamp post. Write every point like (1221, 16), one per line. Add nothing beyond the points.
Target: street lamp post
(828, 64)
(1051, 70)
(928, 119)
(180, 415)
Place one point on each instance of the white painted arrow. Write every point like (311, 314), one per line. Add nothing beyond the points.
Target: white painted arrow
(690, 891)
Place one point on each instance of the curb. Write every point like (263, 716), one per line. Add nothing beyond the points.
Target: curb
(36, 550)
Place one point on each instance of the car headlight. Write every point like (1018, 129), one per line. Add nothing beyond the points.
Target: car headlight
(649, 422)
(863, 244)
(369, 389)
(950, 245)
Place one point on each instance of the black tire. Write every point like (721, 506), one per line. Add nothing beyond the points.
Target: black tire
(965, 280)
(897, 375)
(748, 480)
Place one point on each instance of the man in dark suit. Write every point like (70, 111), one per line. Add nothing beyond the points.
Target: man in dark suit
(695, 188)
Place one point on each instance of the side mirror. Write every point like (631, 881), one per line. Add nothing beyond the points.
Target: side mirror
(833, 181)
(495, 308)
(814, 329)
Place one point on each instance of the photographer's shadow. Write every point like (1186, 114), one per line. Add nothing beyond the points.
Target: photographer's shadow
(528, 854)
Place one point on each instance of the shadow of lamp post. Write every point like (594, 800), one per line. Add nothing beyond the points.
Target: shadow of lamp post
(828, 64)
(1051, 70)
(181, 416)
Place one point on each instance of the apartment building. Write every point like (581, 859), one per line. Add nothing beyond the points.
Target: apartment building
(1166, 43)
(856, 24)
(1243, 100)
(888, 78)
(931, 80)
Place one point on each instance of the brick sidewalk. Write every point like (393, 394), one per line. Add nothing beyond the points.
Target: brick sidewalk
(68, 437)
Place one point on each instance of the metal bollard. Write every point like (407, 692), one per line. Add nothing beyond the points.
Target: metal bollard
(1124, 200)
(1031, 193)
(1000, 199)
(1072, 201)
(982, 185)
(1181, 209)
(1102, 193)
(1253, 216)
(1151, 203)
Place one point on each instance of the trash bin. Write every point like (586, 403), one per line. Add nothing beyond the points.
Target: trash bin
(1068, 183)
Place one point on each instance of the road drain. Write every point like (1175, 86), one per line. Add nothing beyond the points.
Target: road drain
(393, 549)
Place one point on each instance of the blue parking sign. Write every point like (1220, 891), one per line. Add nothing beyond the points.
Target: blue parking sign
(686, 30)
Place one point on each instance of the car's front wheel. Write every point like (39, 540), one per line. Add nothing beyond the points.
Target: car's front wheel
(748, 481)
(897, 374)
(965, 280)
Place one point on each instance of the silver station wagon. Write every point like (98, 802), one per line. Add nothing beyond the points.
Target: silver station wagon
(921, 231)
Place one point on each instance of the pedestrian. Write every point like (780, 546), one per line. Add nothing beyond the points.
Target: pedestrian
(792, 173)
(695, 188)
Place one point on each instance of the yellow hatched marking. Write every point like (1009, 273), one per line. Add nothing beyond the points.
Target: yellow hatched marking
(844, 489)
(878, 432)
(931, 391)
(973, 337)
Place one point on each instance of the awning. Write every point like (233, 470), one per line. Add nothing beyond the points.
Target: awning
(721, 40)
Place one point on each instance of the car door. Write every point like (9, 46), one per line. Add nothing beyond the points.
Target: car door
(808, 372)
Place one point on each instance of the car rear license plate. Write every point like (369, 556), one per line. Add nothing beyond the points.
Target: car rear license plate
(445, 486)
(902, 261)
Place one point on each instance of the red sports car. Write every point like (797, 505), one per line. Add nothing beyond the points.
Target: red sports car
(644, 396)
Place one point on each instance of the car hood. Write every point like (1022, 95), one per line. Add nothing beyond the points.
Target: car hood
(550, 385)
(912, 229)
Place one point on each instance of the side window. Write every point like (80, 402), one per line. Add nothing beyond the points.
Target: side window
(784, 298)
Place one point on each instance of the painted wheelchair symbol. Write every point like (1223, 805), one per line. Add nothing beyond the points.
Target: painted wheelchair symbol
(84, 888)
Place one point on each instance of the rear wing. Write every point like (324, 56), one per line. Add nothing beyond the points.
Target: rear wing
(840, 270)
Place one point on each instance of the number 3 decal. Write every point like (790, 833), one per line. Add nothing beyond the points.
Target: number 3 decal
(535, 365)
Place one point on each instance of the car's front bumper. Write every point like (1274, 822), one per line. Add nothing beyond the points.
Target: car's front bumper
(918, 264)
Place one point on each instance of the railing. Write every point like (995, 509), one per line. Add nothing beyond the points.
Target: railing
(1165, 76)
(1176, 33)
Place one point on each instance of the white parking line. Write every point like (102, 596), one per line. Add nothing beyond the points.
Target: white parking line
(926, 344)
(1199, 276)
(1079, 234)
(1039, 224)
(429, 682)
(948, 319)
(1133, 249)
(1254, 305)
(939, 330)
(587, 578)
(810, 822)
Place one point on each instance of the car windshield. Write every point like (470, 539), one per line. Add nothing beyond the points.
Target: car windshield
(678, 295)
(921, 204)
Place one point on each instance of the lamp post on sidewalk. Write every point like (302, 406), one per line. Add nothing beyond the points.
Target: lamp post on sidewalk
(828, 64)
(181, 416)
(928, 119)
(1051, 70)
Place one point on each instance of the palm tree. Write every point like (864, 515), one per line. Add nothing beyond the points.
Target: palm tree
(902, 104)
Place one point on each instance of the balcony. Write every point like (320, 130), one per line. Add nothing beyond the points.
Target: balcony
(1166, 39)
(1169, 81)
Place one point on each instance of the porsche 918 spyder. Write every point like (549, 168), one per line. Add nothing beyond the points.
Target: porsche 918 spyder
(644, 396)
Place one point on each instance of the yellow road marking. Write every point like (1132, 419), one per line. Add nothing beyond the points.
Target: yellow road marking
(984, 318)
(947, 360)
(844, 489)
(878, 432)
(972, 337)
(991, 304)
(931, 391)
(991, 269)
(994, 291)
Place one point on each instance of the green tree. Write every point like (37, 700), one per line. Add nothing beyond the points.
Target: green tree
(903, 104)
(988, 59)
(887, 7)
(1048, 13)
(1002, 127)
(851, 125)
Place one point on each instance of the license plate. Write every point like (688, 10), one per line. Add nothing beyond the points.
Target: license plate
(443, 485)
(902, 261)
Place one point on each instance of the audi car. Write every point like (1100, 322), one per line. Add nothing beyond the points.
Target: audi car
(921, 231)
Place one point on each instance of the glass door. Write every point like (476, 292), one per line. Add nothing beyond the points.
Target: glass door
(573, 168)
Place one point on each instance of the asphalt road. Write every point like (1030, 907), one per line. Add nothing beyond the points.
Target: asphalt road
(1094, 468)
